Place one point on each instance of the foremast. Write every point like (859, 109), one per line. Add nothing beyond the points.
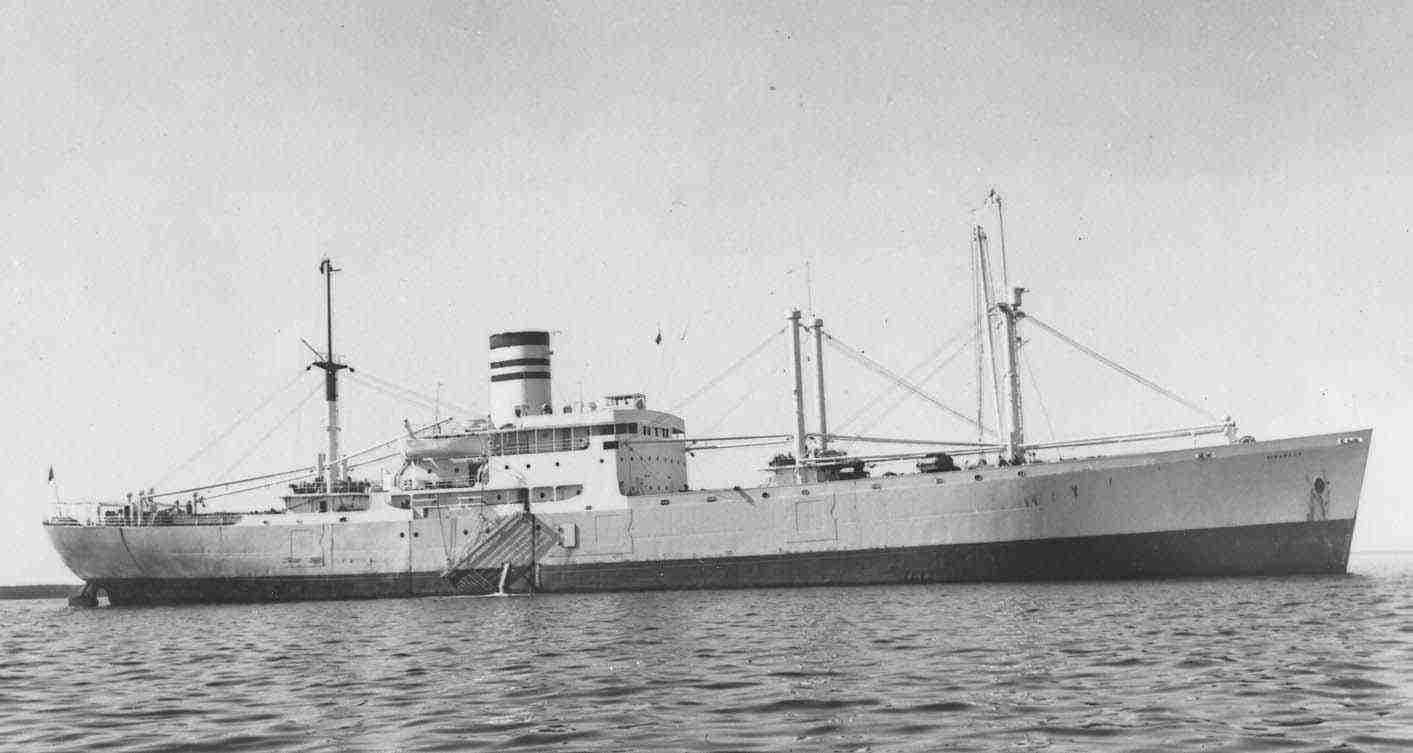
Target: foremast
(331, 468)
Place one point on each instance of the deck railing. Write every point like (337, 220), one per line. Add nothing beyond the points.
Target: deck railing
(107, 515)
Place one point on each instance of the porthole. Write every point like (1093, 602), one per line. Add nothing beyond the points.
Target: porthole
(765, 495)
(401, 535)
(805, 492)
(465, 533)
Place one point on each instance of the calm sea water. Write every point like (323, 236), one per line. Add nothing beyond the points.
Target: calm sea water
(1308, 663)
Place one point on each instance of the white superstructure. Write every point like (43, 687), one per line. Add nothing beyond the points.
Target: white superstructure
(597, 496)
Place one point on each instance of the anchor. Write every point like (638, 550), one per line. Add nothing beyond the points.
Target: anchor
(88, 597)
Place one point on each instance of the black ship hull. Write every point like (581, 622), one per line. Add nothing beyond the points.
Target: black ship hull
(1316, 547)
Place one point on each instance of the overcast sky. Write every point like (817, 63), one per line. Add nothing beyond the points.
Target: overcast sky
(1217, 197)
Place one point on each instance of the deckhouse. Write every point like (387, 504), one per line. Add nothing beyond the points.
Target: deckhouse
(534, 451)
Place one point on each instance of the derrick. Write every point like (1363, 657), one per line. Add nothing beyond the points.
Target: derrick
(996, 333)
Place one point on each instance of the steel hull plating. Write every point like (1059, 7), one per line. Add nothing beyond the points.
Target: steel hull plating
(1278, 549)
(1279, 507)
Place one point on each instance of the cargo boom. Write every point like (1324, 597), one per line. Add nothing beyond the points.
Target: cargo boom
(596, 497)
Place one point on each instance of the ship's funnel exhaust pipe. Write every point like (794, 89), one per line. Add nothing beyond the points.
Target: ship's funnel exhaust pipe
(520, 375)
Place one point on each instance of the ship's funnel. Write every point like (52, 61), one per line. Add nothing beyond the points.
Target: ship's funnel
(520, 375)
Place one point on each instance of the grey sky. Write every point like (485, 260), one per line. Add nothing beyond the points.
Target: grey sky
(1216, 196)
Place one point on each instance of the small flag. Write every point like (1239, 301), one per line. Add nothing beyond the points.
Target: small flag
(51, 474)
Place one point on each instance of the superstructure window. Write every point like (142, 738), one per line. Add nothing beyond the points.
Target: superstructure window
(528, 441)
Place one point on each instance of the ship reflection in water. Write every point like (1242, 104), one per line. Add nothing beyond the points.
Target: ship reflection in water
(1297, 662)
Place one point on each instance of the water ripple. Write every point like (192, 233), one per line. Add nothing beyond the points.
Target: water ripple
(1303, 663)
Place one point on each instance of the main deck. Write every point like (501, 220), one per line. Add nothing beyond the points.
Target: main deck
(1265, 507)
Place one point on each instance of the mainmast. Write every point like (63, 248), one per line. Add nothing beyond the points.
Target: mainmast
(988, 303)
(819, 378)
(332, 472)
(1009, 413)
(799, 398)
(1001, 228)
(1011, 314)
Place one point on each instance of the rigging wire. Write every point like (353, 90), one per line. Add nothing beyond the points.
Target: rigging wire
(430, 400)
(882, 370)
(1040, 399)
(728, 412)
(399, 392)
(766, 443)
(979, 324)
(923, 381)
(272, 430)
(396, 396)
(888, 390)
(297, 474)
(404, 397)
(291, 473)
(1121, 369)
(304, 470)
(228, 430)
(983, 261)
(710, 383)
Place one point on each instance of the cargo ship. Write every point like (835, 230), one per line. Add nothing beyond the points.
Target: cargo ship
(541, 497)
